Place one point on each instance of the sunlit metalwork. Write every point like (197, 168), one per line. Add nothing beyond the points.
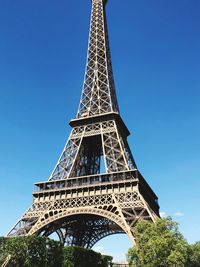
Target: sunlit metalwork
(95, 189)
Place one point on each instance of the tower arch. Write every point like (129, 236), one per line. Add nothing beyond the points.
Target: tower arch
(77, 194)
(83, 227)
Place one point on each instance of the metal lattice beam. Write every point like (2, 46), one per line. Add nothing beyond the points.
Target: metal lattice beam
(79, 202)
(98, 94)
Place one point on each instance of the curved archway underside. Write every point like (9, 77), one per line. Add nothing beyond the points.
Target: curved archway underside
(83, 221)
(80, 202)
(83, 230)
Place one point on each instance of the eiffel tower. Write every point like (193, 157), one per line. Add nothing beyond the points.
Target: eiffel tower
(95, 189)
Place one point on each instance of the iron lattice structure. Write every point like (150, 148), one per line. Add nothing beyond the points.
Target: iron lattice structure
(95, 189)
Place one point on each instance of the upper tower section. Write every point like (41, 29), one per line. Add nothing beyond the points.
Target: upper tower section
(98, 94)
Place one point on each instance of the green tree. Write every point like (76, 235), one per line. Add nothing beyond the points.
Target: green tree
(54, 254)
(2, 250)
(36, 251)
(81, 257)
(16, 247)
(194, 255)
(106, 260)
(159, 245)
(33, 251)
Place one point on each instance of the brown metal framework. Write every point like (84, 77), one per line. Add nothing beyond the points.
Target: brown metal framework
(95, 189)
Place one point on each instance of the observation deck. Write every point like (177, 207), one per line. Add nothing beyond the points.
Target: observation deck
(97, 183)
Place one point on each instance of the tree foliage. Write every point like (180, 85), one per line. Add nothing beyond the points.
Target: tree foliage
(194, 255)
(35, 251)
(2, 249)
(31, 251)
(80, 257)
(162, 245)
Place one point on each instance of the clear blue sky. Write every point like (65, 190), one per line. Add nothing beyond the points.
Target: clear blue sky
(155, 48)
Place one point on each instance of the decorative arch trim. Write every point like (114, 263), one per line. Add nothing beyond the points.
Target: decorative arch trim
(47, 219)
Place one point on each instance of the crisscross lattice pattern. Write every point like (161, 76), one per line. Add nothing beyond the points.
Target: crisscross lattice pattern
(90, 205)
(86, 144)
(98, 95)
(85, 220)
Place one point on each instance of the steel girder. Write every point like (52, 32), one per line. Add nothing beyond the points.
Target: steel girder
(87, 144)
(98, 94)
(79, 202)
(84, 220)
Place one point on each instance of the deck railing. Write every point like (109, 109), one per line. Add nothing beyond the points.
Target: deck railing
(86, 181)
